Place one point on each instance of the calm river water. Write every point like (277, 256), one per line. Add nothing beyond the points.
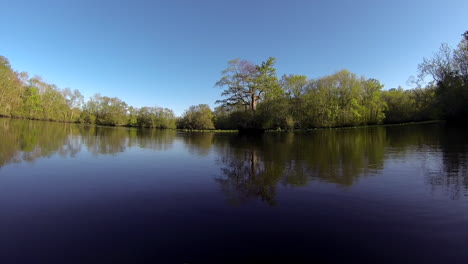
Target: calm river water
(82, 194)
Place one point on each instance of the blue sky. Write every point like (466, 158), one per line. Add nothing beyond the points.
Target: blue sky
(170, 53)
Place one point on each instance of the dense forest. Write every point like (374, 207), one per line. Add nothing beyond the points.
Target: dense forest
(255, 97)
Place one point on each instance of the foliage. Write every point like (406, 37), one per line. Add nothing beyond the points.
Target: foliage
(156, 117)
(295, 87)
(33, 98)
(106, 110)
(341, 99)
(223, 118)
(255, 98)
(197, 117)
(10, 89)
(247, 84)
(400, 106)
(448, 70)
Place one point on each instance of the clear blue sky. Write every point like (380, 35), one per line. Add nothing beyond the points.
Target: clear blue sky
(170, 53)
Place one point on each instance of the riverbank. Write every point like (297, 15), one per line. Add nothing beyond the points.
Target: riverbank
(380, 125)
(237, 131)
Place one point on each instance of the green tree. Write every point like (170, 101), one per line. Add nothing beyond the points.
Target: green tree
(105, 110)
(31, 103)
(10, 89)
(54, 104)
(448, 70)
(400, 106)
(197, 117)
(275, 113)
(372, 103)
(425, 103)
(247, 84)
(156, 117)
(335, 100)
(295, 87)
(74, 101)
(132, 116)
(222, 118)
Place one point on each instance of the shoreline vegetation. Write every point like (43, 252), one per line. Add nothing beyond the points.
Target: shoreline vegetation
(428, 122)
(256, 100)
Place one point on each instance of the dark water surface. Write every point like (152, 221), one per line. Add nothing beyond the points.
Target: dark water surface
(81, 194)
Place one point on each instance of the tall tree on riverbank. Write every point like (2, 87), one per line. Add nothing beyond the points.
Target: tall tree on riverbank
(247, 84)
(449, 72)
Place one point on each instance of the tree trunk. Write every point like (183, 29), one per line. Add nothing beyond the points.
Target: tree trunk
(254, 102)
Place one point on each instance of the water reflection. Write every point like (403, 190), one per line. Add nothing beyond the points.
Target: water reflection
(452, 177)
(24, 140)
(27, 140)
(249, 171)
(253, 168)
(154, 139)
(198, 143)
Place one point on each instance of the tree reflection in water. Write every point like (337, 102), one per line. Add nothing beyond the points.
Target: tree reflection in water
(451, 178)
(253, 167)
(27, 140)
(198, 143)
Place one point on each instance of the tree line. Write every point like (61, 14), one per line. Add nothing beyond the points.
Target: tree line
(255, 97)
(33, 98)
(296, 102)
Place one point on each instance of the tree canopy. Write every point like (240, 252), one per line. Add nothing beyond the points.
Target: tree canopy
(197, 117)
(448, 70)
(247, 84)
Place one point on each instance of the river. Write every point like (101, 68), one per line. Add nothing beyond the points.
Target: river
(83, 194)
